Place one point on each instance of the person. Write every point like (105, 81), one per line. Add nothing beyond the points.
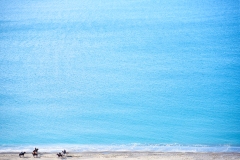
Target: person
(35, 150)
(64, 151)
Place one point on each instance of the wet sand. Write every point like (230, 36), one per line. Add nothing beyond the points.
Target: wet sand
(127, 155)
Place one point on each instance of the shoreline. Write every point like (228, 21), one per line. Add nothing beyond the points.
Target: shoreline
(130, 155)
(52, 148)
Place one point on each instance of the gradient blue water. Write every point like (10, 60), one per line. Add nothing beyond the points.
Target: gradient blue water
(120, 73)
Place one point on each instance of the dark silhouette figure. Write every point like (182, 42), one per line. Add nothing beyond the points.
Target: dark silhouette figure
(59, 154)
(64, 151)
(21, 154)
(35, 150)
(35, 154)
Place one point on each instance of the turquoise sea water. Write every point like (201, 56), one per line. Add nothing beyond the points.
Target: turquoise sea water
(120, 75)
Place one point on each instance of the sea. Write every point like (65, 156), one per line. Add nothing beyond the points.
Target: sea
(126, 75)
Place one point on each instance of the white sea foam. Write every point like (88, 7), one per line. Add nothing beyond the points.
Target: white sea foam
(120, 148)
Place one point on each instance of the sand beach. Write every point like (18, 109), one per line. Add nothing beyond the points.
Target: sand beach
(127, 155)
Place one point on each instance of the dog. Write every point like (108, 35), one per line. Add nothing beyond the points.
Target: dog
(21, 154)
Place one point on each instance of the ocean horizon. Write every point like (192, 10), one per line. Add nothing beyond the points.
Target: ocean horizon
(120, 75)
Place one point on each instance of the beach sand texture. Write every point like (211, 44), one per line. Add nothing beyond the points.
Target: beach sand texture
(129, 156)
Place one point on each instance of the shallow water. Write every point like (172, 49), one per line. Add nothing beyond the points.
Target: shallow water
(120, 73)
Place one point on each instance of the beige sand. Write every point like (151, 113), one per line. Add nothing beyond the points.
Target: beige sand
(128, 156)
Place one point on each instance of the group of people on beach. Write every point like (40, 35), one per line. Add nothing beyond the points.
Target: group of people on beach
(35, 153)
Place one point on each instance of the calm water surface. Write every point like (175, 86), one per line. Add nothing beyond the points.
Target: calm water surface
(120, 75)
